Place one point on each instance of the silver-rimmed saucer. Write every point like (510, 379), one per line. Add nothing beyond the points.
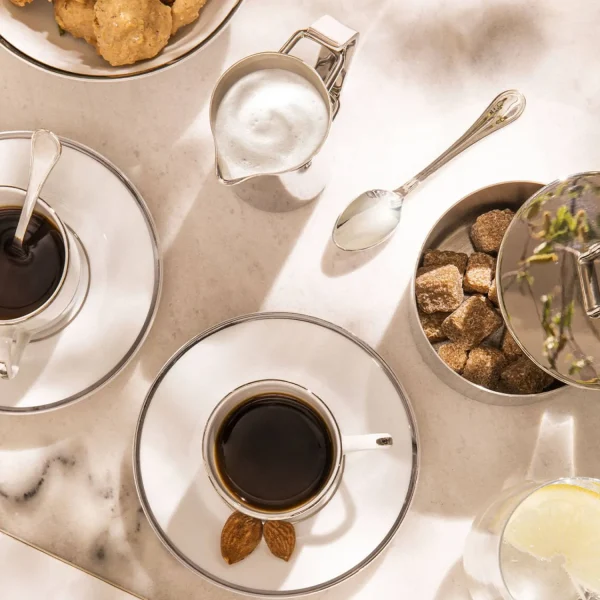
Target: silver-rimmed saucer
(377, 487)
(115, 228)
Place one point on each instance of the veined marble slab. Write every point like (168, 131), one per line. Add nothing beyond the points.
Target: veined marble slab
(423, 71)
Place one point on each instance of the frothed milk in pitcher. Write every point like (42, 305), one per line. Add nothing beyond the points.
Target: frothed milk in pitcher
(269, 121)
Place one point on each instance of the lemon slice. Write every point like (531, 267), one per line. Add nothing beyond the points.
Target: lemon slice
(561, 520)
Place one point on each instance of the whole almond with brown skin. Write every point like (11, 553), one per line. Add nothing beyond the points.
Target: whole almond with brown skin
(281, 538)
(240, 536)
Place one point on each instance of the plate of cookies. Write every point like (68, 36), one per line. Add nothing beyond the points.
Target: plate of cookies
(108, 40)
(457, 322)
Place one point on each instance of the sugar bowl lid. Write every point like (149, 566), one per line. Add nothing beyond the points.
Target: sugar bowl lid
(547, 279)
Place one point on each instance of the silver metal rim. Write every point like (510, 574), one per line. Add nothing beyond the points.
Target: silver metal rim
(158, 276)
(556, 374)
(454, 379)
(164, 538)
(298, 513)
(104, 78)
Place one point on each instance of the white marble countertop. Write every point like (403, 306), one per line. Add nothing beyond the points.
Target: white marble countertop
(424, 70)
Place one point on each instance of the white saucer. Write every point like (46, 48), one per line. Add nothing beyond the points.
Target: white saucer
(116, 230)
(363, 394)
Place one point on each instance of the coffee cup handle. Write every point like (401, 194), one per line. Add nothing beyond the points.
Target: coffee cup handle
(11, 352)
(369, 441)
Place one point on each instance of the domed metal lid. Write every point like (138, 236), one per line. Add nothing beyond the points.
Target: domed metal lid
(547, 279)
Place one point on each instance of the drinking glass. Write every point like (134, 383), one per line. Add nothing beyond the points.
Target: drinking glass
(498, 570)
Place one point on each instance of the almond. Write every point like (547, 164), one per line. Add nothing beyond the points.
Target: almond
(281, 538)
(240, 536)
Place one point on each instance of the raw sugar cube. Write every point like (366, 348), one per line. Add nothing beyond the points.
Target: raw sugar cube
(510, 348)
(472, 322)
(439, 290)
(479, 273)
(489, 229)
(454, 355)
(432, 325)
(525, 377)
(439, 258)
(484, 366)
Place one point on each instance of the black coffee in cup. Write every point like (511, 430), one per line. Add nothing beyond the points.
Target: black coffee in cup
(274, 452)
(29, 275)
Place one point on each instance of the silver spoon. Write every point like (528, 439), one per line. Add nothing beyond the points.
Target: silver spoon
(45, 152)
(373, 217)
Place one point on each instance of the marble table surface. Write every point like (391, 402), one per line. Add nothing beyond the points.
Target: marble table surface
(424, 70)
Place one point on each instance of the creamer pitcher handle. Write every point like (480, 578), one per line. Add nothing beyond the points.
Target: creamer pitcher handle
(11, 352)
(369, 441)
(338, 43)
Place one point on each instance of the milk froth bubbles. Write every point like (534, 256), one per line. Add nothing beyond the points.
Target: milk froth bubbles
(269, 121)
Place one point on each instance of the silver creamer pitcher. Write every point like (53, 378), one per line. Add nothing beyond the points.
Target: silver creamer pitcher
(302, 183)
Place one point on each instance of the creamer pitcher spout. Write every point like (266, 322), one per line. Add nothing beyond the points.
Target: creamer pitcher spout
(223, 172)
(219, 171)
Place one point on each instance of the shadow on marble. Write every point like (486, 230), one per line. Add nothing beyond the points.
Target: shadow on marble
(37, 430)
(442, 44)
(173, 98)
(268, 193)
(502, 445)
(221, 263)
(459, 437)
(336, 262)
(454, 585)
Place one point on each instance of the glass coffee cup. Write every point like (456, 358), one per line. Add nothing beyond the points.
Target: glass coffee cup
(39, 294)
(273, 450)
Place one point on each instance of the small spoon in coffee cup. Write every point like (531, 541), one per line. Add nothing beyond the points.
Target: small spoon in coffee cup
(45, 152)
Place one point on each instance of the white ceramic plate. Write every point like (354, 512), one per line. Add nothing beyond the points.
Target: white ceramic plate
(32, 34)
(113, 223)
(363, 394)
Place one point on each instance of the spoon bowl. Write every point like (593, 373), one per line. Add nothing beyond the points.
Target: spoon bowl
(369, 220)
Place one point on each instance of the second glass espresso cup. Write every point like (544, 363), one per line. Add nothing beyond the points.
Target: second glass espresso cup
(63, 301)
(274, 451)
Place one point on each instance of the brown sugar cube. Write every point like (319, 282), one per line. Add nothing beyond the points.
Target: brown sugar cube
(510, 348)
(484, 366)
(439, 258)
(489, 229)
(524, 377)
(479, 274)
(422, 270)
(493, 293)
(473, 321)
(439, 290)
(432, 325)
(454, 355)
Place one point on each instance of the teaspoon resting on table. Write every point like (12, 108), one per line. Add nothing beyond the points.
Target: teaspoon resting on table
(373, 217)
